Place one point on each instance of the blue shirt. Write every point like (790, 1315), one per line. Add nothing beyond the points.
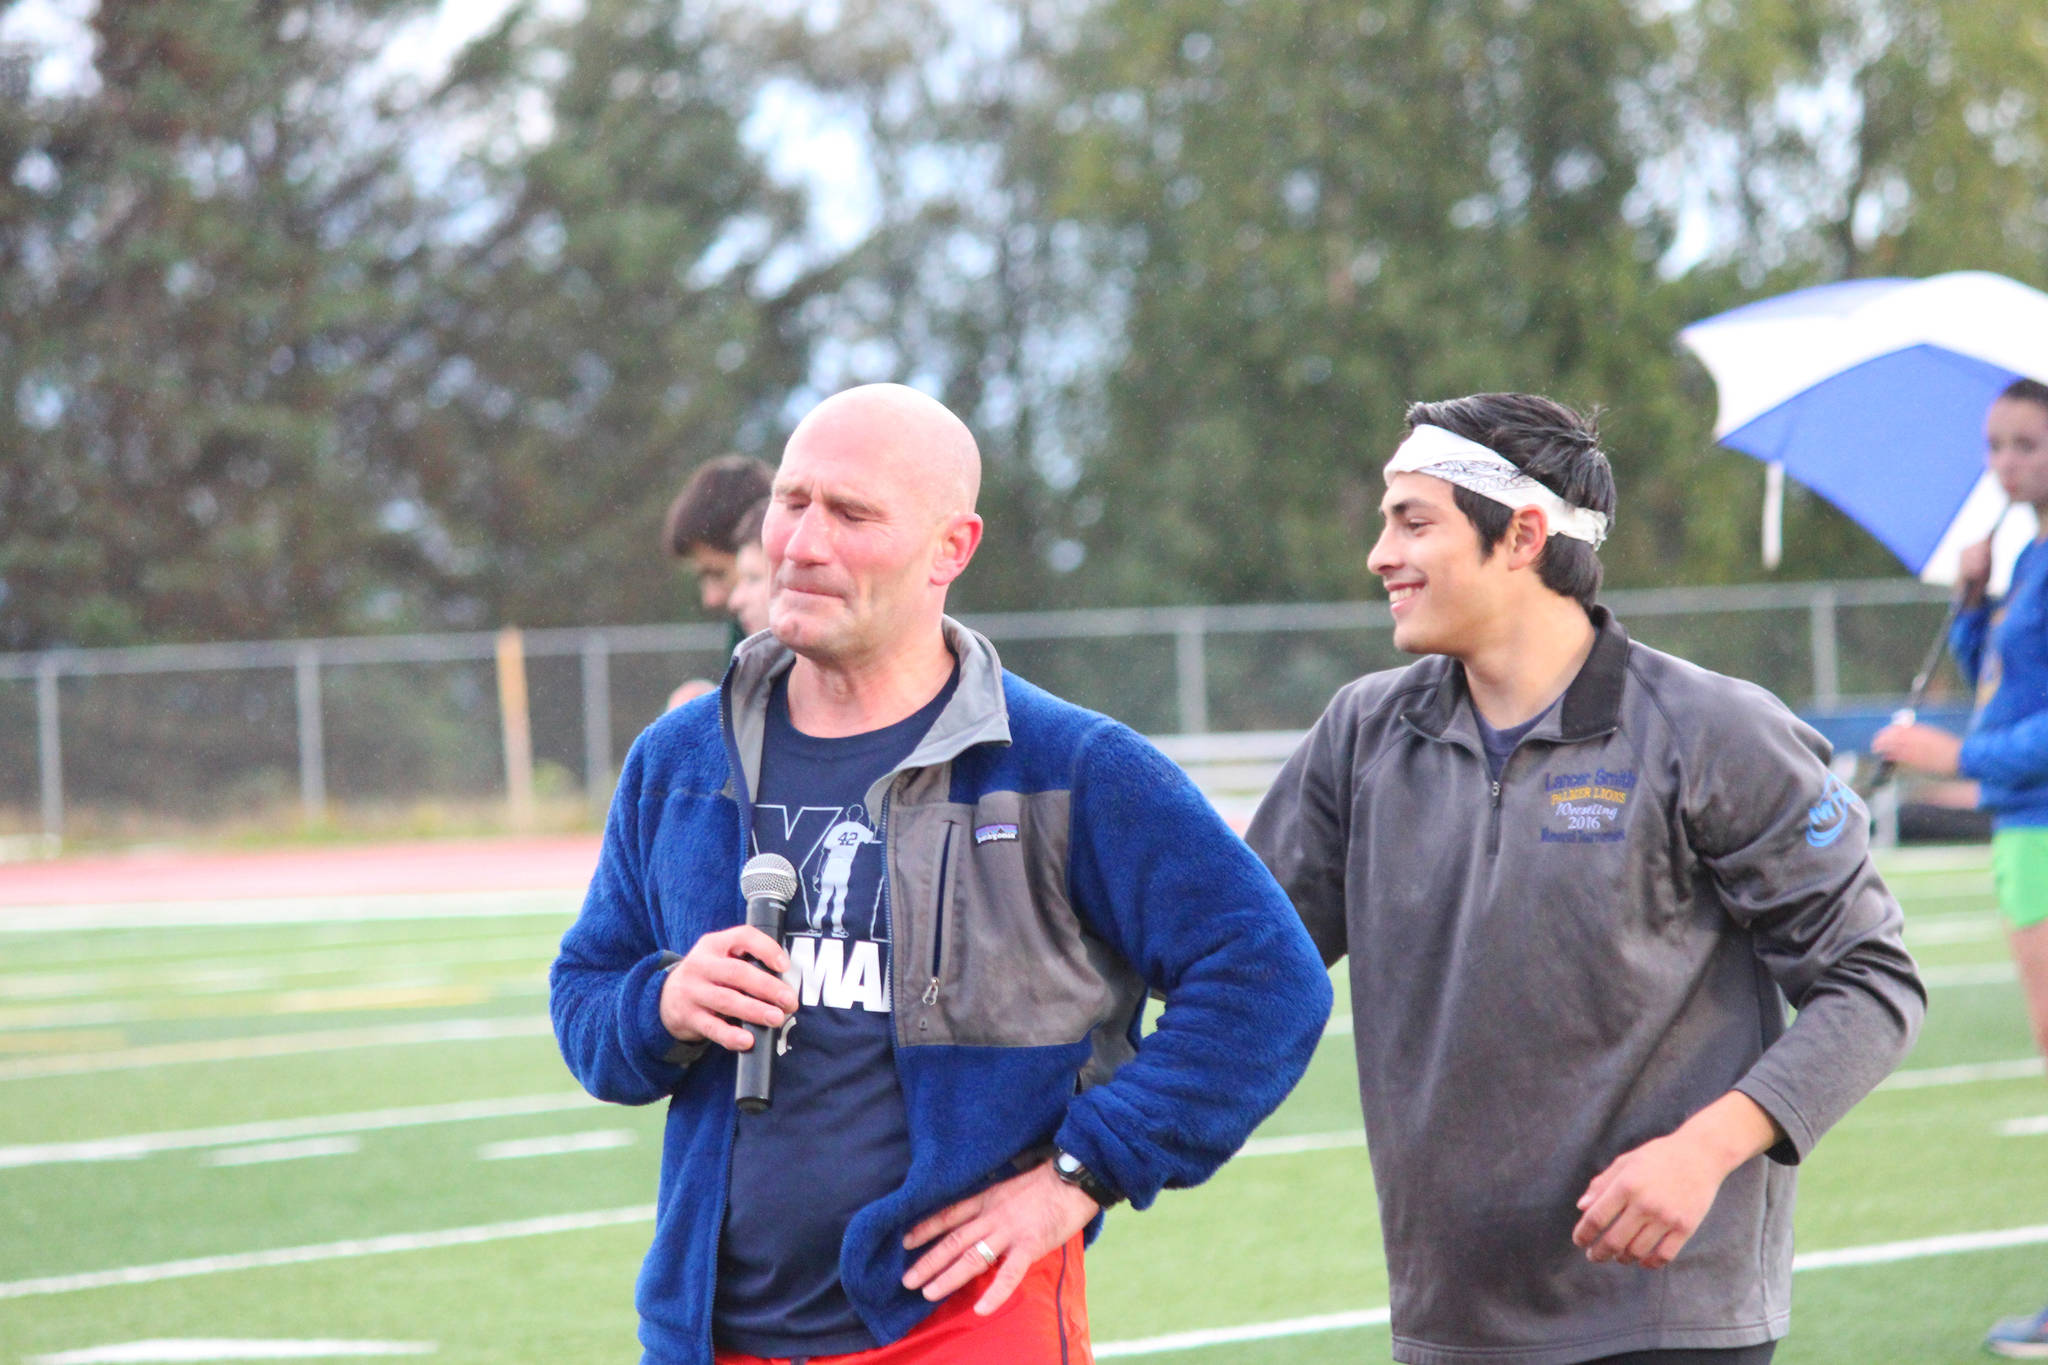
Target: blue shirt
(1501, 743)
(835, 1137)
(2002, 650)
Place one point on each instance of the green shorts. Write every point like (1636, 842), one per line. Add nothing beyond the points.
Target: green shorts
(2019, 869)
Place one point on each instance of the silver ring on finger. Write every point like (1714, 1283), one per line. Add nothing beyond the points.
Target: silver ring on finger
(986, 1252)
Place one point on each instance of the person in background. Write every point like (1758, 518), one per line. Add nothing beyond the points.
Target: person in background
(703, 524)
(1577, 881)
(2001, 648)
(702, 529)
(749, 600)
(990, 881)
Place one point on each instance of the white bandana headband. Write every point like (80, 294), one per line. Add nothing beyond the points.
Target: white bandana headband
(1448, 456)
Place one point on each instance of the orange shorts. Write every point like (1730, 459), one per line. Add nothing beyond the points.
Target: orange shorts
(1044, 1323)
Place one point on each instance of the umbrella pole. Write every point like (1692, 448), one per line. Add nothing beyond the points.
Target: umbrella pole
(1936, 648)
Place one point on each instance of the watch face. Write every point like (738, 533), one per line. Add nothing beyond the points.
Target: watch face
(1067, 1164)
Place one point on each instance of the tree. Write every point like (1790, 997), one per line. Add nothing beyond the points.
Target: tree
(1272, 226)
(627, 295)
(1323, 214)
(202, 257)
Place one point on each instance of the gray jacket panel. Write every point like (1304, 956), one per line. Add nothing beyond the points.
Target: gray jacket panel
(1039, 977)
(1550, 973)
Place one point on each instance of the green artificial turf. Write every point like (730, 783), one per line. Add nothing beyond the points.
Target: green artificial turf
(1271, 1238)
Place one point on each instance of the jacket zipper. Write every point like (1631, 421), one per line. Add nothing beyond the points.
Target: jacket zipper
(889, 918)
(745, 806)
(1493, 832)
(931, 992)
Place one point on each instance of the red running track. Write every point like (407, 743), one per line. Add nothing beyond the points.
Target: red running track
(544, 864)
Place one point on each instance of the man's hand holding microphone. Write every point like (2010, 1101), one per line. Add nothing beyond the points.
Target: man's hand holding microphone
(729, 988)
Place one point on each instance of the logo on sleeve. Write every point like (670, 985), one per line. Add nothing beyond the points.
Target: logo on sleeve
(990, 834)
(1830, 815)
(1587, 807)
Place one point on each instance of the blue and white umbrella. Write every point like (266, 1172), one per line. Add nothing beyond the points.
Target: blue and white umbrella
(1872, 393)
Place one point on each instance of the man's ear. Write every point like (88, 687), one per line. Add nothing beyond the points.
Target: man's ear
(956, 546)
(1526, 535)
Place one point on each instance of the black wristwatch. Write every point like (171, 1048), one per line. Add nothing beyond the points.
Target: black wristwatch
(1069, 1169)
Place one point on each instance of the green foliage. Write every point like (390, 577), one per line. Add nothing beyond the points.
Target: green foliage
(201, 259)
(288, 349)
(630, 306)
(1292, 219)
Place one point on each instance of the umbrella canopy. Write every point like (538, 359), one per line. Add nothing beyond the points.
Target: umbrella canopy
(1873, 392)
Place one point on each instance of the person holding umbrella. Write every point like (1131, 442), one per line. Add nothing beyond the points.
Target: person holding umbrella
(2002, 650)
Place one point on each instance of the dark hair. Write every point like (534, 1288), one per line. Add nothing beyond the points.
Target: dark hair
(1550, 443)
(708, 510)
(2026, 391)
(747, 530)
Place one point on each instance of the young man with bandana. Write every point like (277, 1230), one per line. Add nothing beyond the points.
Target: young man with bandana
(1578, 882)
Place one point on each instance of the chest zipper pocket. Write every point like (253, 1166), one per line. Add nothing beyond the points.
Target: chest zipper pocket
(931, 991)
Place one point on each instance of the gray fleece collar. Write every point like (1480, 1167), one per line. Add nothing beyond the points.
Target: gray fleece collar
(1591, 704)
(977, 713)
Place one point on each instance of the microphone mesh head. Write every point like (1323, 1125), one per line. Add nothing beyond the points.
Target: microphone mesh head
(768, 874)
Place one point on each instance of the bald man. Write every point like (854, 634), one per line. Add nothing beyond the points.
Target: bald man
(990, 881)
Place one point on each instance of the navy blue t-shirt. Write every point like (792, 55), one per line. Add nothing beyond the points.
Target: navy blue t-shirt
(1501, 743)
(835, 1137)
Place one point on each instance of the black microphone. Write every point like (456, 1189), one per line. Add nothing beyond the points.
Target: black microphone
(769, 884)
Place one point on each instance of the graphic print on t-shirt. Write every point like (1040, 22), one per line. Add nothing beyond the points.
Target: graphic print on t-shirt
(834, 875)
(837, 1137)
(835, 931)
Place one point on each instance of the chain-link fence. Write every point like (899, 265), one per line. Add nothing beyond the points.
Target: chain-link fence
(135, 740)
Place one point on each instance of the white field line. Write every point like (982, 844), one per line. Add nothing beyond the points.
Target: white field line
(1226, 1336)
(278, 1045)
(283, 1130)
(2019, 1068)
(215, 976)
(1969, 1073)
(1918, 1248)
(52, 919)
(1301, 1143)
(1974, 896)
(344, 996)
(1970, 974)
(417, 991)
(327, 1251)
(263, 1153)
(2036, 1126)
(188, 1350)
(1882, 1253)
(1936, 858)
(1876, 1254)
(1971, 928)
(562, 1144)
(394, 994)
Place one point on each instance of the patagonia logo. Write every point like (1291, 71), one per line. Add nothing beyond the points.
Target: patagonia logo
(1586, 807)
(992, 834)
(1831, 814)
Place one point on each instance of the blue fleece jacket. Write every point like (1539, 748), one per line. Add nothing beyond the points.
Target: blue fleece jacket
(2004, 652)
(1095, 872)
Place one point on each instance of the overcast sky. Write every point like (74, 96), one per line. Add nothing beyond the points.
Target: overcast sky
(803, 142)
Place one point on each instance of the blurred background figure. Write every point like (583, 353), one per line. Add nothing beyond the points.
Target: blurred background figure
(2002, 649)
(703, 525)
(704, 530)
(748, 600)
